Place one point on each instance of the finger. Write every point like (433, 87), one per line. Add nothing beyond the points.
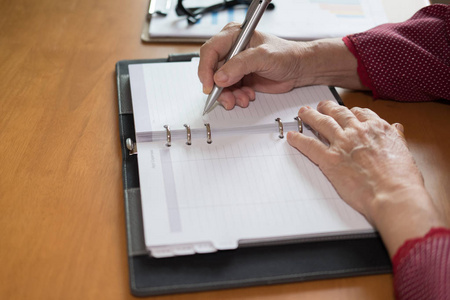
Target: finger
(310, 147)
(325, 125)
(206, 67)
(364, 114)
(213, 51)
(249, 91)
(233, 96)
(227, 99)
(343, 116)
(242, 99)
(400, 130)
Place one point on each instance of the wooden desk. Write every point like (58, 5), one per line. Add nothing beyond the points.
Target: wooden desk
(62, 229)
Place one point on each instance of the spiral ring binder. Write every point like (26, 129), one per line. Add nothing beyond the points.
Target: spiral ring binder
(208, 133)
(132, 146)
(169, 136)
(300, 124)
(280, 128)
(188, 133)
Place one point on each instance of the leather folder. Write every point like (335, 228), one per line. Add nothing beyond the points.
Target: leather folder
(323, 258)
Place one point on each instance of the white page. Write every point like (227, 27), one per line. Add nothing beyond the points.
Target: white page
(291, 19)
(171, 94)
(240, 188)
(237, 189)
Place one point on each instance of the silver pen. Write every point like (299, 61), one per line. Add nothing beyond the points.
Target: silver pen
(254, 14)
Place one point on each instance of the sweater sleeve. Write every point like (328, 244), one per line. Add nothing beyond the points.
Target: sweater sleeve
(408, 61)
(422, 267)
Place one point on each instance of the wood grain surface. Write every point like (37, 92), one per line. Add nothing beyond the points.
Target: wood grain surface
(62, 223)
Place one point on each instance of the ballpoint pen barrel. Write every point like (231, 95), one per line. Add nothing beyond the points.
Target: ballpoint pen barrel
(254, 14)
(212, 98)
(256, 9)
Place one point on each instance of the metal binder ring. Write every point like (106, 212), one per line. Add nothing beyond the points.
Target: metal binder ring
(188, 132)
(131, 146)
(208, 133)
(169, 136)
(280, 128)
(300, 124)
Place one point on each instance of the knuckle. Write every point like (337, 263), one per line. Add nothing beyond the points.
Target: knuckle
(379, 124)
(326, 103)
(264, 49)
(332, 161)
(337, 111)
(334, 158)
(356, 110)
(308, 144)
(205, 48)
(363, 132)
(232, 25)
(323, 122)
(326, 122)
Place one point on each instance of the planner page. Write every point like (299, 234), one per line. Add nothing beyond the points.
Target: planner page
(242, 189)
(239, 185)
(171, 94)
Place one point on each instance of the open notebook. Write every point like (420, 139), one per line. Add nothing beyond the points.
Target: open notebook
(247, 186)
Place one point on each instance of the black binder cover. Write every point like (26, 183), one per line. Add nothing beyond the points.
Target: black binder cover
(246, 266)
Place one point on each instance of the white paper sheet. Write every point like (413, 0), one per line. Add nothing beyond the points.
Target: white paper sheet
(291, 19)
(245, 187)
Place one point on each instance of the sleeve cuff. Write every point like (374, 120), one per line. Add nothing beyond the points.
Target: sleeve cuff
(404, 250)
(361, 69)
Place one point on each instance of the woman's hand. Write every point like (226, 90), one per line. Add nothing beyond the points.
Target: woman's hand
(267, 65)
(366, 155)
(272, 65)
(370, 166)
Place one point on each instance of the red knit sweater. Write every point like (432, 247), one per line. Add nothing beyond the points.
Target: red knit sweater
(422, 267)
(408, 61)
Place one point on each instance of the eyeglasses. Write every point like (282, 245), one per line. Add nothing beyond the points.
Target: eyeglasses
(194, 14)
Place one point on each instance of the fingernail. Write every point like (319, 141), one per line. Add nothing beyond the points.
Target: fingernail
(302, 109)
(224, 104)
(206, 90)
(322, 103)
(221, 76)
(399, 127)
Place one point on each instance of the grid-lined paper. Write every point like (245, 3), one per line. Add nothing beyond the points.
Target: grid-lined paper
(246, 187)
(171, 94)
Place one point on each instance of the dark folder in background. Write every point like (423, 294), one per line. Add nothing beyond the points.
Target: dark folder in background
(246, 266)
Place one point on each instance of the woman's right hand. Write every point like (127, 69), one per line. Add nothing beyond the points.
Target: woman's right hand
(368, 162)
(272, 65)
(269, 65)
